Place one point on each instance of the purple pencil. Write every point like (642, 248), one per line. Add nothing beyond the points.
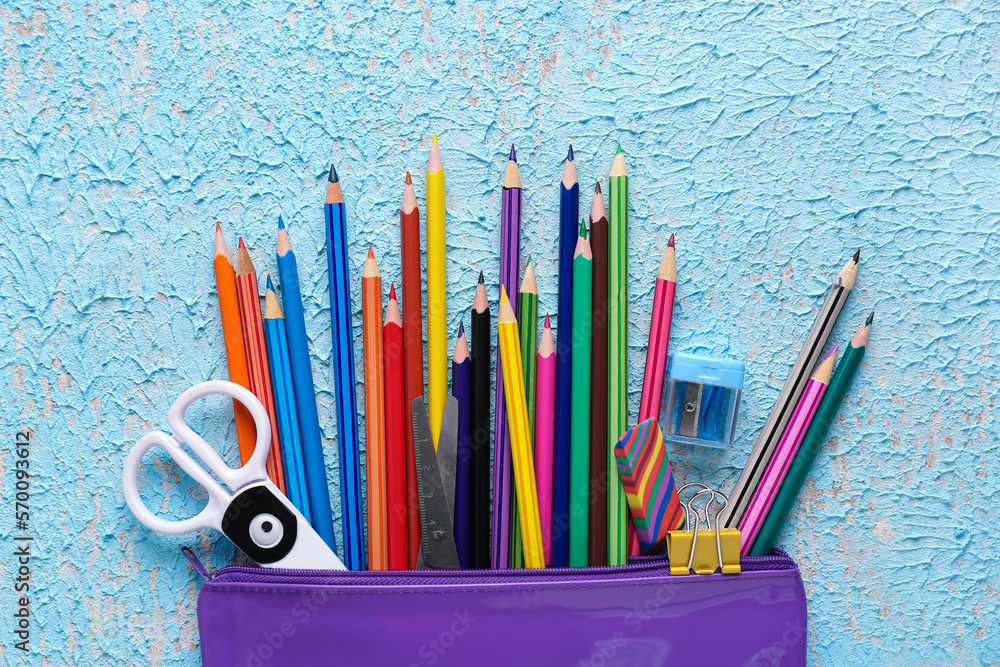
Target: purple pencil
(461, 388)
(510, 258)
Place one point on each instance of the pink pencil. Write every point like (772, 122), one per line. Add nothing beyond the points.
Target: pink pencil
(545, 419)
(770, 484)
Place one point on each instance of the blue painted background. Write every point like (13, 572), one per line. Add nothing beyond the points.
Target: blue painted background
(774, 138)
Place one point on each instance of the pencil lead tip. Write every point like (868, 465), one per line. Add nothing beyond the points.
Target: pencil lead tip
(619, 148)
(832, 352)
(569, 156)
(547, 325)
(434, 139)
(333, 178)
(281, 223)
(857, 255)
(871, 317)
(583, 228)
(392, 292)
(481, 279)
(461, 329)
(371, 253)
(218, 226)
(597, 188)
(670, 243)
(409, 181)
(270, 285)
(513, 154)
(242, 244)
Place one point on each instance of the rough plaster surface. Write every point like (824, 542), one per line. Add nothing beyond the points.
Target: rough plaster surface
(772, 137)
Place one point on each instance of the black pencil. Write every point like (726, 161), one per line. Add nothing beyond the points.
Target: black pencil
(479, 556)
(599, 384)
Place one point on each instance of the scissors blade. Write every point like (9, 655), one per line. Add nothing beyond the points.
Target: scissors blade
(447, 452)
(437, 539)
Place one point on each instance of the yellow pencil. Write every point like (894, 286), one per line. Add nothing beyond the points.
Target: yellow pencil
(437, 309)
(520, 435)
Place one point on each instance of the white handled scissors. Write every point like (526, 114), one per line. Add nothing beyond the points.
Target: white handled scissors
(256, 516)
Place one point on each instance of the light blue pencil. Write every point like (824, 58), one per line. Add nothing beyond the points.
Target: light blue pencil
(305, 393)
(284, 402)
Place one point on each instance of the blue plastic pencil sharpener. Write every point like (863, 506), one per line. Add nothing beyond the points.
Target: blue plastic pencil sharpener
(702, 400)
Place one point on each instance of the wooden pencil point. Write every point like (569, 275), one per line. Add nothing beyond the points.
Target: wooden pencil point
(512, 177)
(272, 309)
(220, 243)
(528, 283)
(848, 274)
(244, 264)
(824, 371)
(668, 265)
(334, 195)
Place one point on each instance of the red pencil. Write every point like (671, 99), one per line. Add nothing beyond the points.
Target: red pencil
(395, 436)
(413, 352)
(257, 362)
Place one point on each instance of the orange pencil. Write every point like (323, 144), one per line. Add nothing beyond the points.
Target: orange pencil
(256, 352)
(371, 317)
(232, 334)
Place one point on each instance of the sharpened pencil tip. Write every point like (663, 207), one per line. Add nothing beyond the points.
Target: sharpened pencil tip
(619, 148)
(547, 325)
(670, 243)
(333, 174)
(242, 245)
(218, 226)
(513, 154)
(434, 139)
(392, 291)
(583, 228)
(270, 285)
(832, 352)
(281, 223)
(857, 255)
(371, 253)
(481, 278)
(597, 188)
(569, 155)
(409, 181)
(461, 329)
(871, 317)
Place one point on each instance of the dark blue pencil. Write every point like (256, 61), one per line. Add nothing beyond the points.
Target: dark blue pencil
(344, 379)
(569, 220)
(461, 388)
(284, 402)
(305, 393)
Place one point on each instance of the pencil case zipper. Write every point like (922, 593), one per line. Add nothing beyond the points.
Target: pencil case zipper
(777, 560)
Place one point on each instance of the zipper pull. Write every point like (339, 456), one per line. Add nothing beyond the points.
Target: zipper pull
(195, 563)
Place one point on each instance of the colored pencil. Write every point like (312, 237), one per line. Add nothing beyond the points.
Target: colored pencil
(479, 555)
(545, 421)
(395, 436)
(527, 317)
(656, 351)
(790, 394)
(344, 379)
(510, 257)
(437, 304)
(618, 522)
(773, 478)
(284, 402)
(461, 388)
(305, 394)
(232, 336)
(520, 440)
(579, 482)
(599, 479)
(815, 437)
(569, 215)
(257, 363)
(371, 319)
(413, 353)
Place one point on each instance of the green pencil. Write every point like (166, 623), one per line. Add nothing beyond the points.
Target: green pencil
(813, 441)
(617, 354)
(527, 328)
(579, 439)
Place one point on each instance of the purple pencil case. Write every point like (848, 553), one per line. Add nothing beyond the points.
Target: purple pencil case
(637, 614)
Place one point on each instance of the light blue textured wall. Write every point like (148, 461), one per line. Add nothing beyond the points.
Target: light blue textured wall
(773, 138)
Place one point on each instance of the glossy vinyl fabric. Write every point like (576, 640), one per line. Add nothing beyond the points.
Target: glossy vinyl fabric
(647, 618)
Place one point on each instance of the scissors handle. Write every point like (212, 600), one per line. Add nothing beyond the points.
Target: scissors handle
(235, 478)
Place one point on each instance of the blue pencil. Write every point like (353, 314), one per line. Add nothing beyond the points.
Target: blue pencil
(284, 402)
(343, 366)
(569, 220)
(305, 393)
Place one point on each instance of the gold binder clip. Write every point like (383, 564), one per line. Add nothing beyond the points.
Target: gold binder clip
(701, 557)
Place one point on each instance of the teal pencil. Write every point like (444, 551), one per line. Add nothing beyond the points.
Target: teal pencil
(579, 438)
(284, 402)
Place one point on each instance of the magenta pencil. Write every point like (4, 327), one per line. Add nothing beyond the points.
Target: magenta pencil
(545, 421)
(777, 469)
(510, 258)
